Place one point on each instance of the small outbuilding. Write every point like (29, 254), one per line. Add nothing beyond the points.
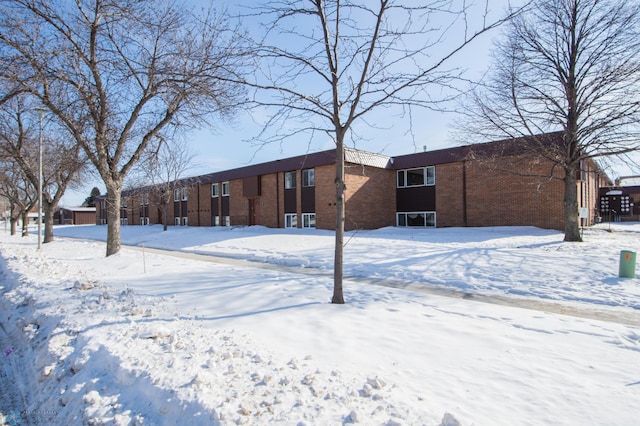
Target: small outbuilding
(75, 216)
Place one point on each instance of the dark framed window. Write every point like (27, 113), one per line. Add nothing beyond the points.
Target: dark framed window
(422, 176)
(420, 219)
(308, 177)
(289, 180)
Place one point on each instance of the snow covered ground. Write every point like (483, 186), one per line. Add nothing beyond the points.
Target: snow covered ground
(248, 336)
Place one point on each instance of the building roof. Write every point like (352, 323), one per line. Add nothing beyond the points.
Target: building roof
(306, 161)
(505, 147)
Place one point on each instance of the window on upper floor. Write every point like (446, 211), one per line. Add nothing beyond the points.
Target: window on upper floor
(422, 176)
(289, 180)
(214, 190)
(225, 189)
(308, 177)
(185, 192)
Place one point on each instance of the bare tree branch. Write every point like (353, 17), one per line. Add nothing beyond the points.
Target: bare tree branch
(121, 73)
(569, 66)
(326, 65)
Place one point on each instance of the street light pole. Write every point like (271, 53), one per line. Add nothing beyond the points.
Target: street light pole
(41, 112)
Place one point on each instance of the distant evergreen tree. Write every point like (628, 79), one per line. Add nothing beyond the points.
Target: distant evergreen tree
(90, 201)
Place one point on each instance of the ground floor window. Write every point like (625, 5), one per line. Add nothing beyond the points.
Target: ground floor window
(124, 221)
(221, 221)
(290, 220)
(308, 220)
(185, 221)
(144, 221)
(425, 219)
(176, 221)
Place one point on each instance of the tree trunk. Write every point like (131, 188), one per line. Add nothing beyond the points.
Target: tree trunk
(25, 223)
(48, 222)
(571, 219)
(338, 296)
(114, 191)
(13, 222)
(165, 216)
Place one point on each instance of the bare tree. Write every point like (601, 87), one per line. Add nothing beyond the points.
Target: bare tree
(162, 170)
(328, 65)
(118, 73)
(20, 194)
(568, 66)
(19, 142)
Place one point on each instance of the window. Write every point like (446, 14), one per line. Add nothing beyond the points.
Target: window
(226, 220)
(289, 180)
(423, 176)
(123, 202)
(308, 177)
(216, 221)
(214, 190)
(176, 195)
(176, 221)
(123, 221)
(185, 221)
(225, 189)
(185, 192)
(290, 220)
(423, 219)
(308, 220)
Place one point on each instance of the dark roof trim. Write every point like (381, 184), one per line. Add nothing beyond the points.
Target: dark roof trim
(505, 147)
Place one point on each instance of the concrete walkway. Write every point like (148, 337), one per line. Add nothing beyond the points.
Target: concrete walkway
(601, 313)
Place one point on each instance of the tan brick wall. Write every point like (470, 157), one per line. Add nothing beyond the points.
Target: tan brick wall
(202, 206)
(449, 195)
(268, 202)
(238, 205)
(370, 197)
(325, 197)
(498, 194)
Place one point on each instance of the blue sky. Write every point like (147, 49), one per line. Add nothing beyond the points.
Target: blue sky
(229, 145)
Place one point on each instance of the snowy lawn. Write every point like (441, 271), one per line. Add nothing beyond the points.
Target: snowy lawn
(152, 339)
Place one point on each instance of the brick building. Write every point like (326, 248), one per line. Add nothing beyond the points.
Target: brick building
(494, 184)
